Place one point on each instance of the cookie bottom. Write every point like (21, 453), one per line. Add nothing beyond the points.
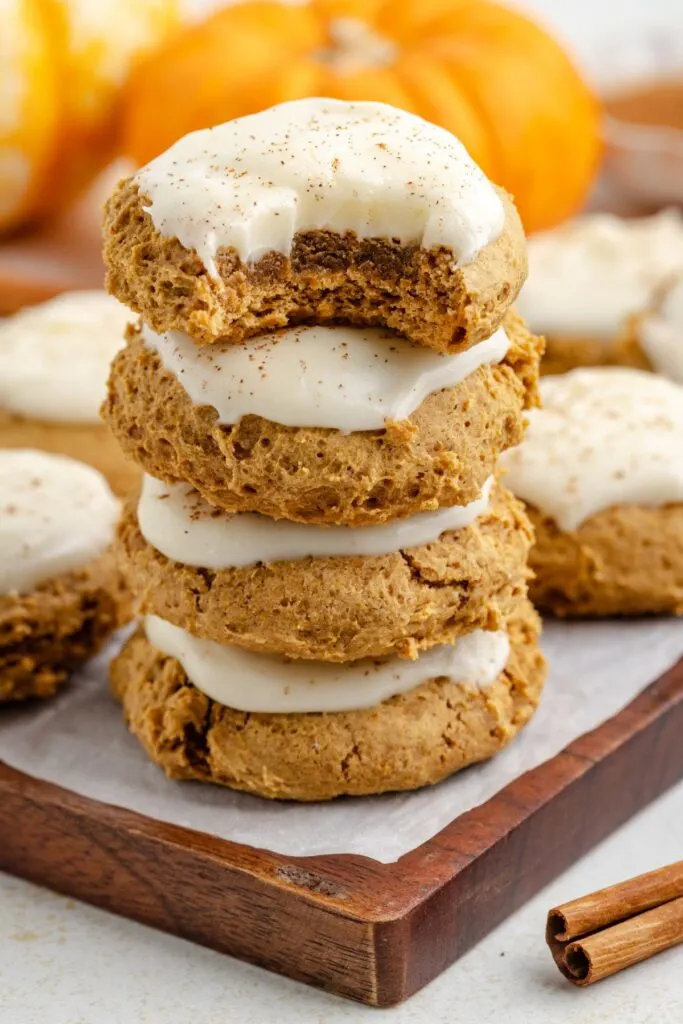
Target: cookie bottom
(626, 560)
(409, 741)
(91, 443)
(46, 634)
(567, 352)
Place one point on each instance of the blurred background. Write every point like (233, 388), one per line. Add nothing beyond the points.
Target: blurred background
(570, 104)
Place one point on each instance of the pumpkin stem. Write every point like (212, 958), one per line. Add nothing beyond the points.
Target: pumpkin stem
(355, 46)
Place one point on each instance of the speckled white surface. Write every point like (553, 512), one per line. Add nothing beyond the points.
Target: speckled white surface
(65, 963)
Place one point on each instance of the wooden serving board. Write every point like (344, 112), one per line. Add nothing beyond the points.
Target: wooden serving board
(368, 931)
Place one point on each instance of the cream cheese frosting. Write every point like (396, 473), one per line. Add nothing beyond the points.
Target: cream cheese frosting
(587, 276)
(268, 684)
(56, 515)
(179, 523)
(604, 437)
(660, 333)
(343, 378)
(54, 358)
(251, 184)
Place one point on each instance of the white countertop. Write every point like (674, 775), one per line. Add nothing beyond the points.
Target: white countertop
(62, 962)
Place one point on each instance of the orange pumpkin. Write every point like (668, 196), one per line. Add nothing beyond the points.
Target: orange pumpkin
(483, 71)
(62, 65)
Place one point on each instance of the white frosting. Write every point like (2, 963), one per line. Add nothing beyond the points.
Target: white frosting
(344, 378)
(604, 437)
(661, 333)
(269, 684)
(252, 183)
(587, 276)
(54, 358)
(56, 515)
(176, 520)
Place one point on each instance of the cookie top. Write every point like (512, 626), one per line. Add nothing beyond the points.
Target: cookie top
(178, 522)
(605, 436)
(251, 184)
(56, 515)
(660, 331)
(267, 683)
(54, 358)
(587, 276)
(342, 378)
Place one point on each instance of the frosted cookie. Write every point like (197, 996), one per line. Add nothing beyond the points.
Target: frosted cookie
(601, 471)
(588, 276)
(327, 593)
(54, 362)
(61, 594)
(313, 732)
(400, 429)
(318, 211)
(658, 331)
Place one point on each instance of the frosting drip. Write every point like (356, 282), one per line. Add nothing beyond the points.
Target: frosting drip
(604, 437)
(176, 520)
(343, 378)
(661, 333)
(56, 515)
(54, 358)
(251, 184)
(587, 276)
(268, 684)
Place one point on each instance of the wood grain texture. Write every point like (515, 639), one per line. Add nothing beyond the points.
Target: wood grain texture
(368, 931)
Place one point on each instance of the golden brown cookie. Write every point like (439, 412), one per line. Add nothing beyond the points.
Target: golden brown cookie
(91, 443)
(412, 740)
(328, 277)
(564, 353)
(441, 456)
(344, 608)
(47, 633)
(625, 560)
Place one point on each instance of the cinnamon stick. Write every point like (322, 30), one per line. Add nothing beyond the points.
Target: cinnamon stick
(599, 934)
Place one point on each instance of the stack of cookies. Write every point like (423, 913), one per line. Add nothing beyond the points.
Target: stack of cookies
(331, 577)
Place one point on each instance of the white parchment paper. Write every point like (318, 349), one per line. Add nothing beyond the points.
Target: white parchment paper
(78, 741)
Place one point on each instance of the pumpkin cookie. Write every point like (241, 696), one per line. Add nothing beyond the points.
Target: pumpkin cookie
(54, 361)
(261, 592)
(420, 730)
(316, 211)
(61, 594)
(439, 454)
(588, 277)
(601, 471)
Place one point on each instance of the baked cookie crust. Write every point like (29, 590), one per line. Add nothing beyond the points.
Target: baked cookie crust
(440, 457)
(565, 352)
(413, 740)
(47, 633)
(625, 560)
(344, 608)
(327, 278)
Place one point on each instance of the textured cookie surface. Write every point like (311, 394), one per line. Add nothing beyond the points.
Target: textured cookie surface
(48, 632)
(441, 456)
(89, 443)
(343, 608)
(412, 740)
(625, 560)
(327, 278)
(564, 353)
